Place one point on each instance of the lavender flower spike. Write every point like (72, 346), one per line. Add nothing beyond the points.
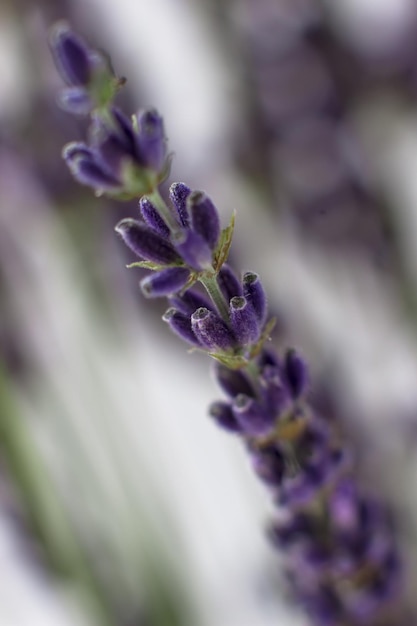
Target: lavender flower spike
(339, 547)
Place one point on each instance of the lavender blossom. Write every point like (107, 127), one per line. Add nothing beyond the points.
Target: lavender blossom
(146, 243)
(92, 83)
(243, 321)
(212, 331)
(204, 217)
(178, 194)
(72, 56)
(165, 282)
(340, 550)
(180, 324)
(229, 283)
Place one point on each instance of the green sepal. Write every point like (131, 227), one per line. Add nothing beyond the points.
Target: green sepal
(166, 170)
(222, 251)
(192, 279)
(104, 85)
(232, 361)
(155, 267)
(137, 182)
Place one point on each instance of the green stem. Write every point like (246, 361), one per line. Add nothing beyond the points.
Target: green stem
(43, 508)
(209, 281)
(164, 211)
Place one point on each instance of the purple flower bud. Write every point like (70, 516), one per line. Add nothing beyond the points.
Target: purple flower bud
(211, 330)
(298, 527)
(255, 294)
(76, 149)
(112, 145)
(71, 55)
(123, 127)
(344, 506)
(190, 301)
(252, 416)
(269, 465)
(193, 249)
(268, 357)
(152, 218)
(146, 243)
(324, 606)
(165, 282)
(229, 282)
(75, 100)
(151, 139)
(87, 170)
(178, 194)
(204, 217)
(274, 392)
(243, 321)
(223, 416)
(180, 324)
(302, 487)
(233, 382)
(295, 372)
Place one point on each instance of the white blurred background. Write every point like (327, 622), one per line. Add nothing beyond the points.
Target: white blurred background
(121, 504)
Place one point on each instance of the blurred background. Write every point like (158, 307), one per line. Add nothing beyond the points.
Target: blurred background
(120, 503)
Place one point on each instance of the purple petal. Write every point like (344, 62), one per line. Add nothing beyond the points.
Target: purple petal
(229, 282)
(295, 371)
(71, 55)
(151, 139)
(178, 194)
(145, 242)
(152, 217)
(252, 416)
(204, 217)
(244, 321)
(222, 413)
(193, 249)
(87, 171)
(233, 382)
(211, 330)
(190, 301)
(180, 324)
(255, 294)
(165, 282)
(75, 100)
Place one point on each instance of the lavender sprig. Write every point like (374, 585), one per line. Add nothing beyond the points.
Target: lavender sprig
(341, 556)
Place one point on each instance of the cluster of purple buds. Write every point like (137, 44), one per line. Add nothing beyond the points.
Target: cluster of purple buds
(124, 157)
(87, 72)
(341, 557)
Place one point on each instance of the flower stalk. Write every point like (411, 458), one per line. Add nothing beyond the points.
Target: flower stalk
(342, 561)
